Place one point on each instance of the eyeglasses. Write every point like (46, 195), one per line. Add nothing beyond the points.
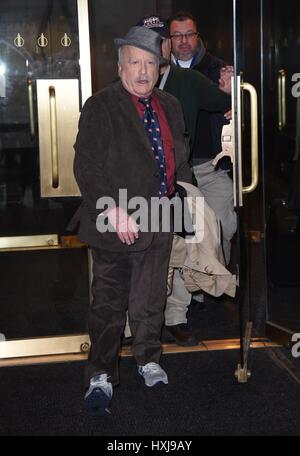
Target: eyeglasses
(187, 36)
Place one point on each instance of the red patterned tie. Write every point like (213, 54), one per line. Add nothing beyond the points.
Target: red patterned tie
(152, 128)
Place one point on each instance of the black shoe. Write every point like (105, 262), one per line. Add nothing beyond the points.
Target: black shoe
(182, 335)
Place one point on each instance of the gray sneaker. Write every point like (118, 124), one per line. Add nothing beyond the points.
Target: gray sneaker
(153, 374)
(97, 398)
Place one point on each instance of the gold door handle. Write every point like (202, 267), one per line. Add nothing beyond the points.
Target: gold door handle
(281, 99)
(54, 140)
(254, 137)
(31, 111)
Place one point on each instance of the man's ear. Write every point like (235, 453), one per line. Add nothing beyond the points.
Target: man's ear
(119, 69)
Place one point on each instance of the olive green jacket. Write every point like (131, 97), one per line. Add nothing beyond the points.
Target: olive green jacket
(195, 93)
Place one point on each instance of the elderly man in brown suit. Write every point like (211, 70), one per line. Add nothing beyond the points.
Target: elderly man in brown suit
(116, 149)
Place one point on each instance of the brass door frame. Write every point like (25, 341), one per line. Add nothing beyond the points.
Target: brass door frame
(84, 50)
(76, 347)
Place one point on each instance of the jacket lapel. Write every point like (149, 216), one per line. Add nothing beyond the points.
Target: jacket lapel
(168, 112)
(129, 112)
(171, 121)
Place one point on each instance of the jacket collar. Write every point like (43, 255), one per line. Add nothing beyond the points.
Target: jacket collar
(128, 109)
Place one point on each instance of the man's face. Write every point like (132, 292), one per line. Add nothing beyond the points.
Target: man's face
(184, 39)
(138, 70)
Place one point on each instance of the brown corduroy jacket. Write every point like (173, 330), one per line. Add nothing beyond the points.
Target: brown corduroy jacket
(112, 152)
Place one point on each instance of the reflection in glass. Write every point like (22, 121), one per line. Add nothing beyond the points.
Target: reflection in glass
(281, 29)
(43, 292)
(31, 49)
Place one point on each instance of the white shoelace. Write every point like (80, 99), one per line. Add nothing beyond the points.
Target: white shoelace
(152, 367)
(101, 382)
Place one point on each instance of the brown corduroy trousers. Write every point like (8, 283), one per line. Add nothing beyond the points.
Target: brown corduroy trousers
(134, 281)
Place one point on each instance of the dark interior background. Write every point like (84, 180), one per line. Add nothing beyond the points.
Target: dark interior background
(109, 20)
(272, 211)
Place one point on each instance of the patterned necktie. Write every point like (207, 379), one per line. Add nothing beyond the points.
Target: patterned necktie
(152, 128)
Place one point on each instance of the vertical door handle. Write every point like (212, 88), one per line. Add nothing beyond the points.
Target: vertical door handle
(281, 99)
(254, 137)
(54, 139)
(239, 189)
(31, 111)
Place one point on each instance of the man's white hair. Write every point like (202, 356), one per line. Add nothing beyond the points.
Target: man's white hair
(120, 54)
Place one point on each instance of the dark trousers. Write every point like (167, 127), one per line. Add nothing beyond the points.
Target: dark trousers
(136, 281)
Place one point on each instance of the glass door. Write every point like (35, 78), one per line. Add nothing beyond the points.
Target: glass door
(44, 80)
(266, 49)
(248, 175)
(281, 66)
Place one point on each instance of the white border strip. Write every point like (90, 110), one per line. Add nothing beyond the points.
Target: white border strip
(84, 50)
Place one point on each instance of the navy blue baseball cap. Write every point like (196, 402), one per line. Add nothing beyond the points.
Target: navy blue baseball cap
(157, 24)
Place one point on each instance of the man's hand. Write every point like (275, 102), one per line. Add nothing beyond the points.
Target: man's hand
(228, 115)
(226, 74)
(125, 226)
